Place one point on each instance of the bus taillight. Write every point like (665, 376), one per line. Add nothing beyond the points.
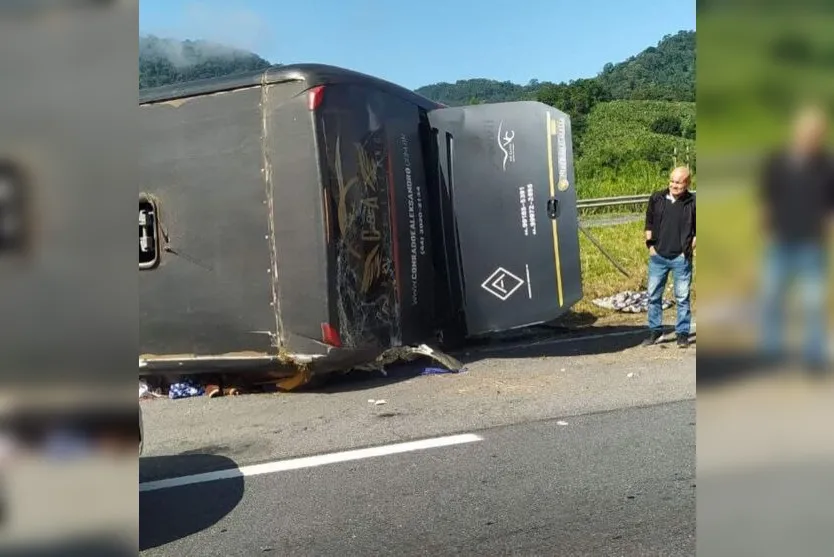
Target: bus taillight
(314, 97)
(330, 335)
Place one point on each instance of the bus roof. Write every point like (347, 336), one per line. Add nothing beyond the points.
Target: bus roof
(314, 74)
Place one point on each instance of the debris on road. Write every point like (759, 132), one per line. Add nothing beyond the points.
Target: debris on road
(409, 353)
(630, 375)
(185, 389)
(145, 391)
(378, 402)
(560, 422)
(629, 301)
(441, 371)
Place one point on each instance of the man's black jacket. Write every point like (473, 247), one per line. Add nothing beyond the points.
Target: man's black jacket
(654, 215)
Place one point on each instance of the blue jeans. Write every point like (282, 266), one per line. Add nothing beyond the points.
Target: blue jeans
(681, 269)
(804, 263)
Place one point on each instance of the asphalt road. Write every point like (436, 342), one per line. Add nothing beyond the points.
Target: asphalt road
(585, 448)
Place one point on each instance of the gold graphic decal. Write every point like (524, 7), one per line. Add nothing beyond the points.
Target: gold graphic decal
(366, 213)
(551, 131)
(344, 189)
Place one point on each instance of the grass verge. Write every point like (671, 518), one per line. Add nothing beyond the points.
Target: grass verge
(626, 244)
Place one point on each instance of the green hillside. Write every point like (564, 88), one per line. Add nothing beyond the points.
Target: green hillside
(626, 122)
(166, 61)
(629, 146)
(473, 91)
(662, 72)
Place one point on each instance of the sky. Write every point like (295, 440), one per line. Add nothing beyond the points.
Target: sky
(428, 41)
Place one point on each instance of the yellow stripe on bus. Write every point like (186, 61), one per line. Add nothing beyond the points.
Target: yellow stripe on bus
(551, 131)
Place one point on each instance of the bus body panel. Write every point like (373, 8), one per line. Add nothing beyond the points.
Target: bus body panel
(298, 225)
(509, 174)
(200, 162)
(380, 249)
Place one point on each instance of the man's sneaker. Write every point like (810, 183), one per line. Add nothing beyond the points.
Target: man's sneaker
(683, 341)
(652, 339)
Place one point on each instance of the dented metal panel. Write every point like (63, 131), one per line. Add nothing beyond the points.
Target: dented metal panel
(354, 145)
(297, 208)
(202, 162)
(380, 243)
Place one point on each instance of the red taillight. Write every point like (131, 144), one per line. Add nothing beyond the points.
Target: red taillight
(314, 97)
(330, 335)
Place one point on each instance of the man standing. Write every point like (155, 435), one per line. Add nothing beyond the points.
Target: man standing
(798, 202)
(670, 238)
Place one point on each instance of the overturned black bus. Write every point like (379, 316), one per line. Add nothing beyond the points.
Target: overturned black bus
(311, 215)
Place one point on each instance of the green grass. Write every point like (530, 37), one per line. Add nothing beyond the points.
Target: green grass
(621, 155)
(626, 244)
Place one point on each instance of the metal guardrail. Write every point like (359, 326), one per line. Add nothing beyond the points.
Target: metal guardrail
(613, 201)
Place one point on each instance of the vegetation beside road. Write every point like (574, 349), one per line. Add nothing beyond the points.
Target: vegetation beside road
(626, 244)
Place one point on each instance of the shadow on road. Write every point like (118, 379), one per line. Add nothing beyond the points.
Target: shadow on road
(167, 515)
(558, 343)
(539, 342)
(721, 369)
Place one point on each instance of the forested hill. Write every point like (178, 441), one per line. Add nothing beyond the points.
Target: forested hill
(166, 61)
(663, 72)
(631, 123)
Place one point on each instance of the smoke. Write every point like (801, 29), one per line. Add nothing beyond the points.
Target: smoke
(186, 53)
(222, 31)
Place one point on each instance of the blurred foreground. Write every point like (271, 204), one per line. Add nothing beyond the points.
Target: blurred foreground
(67, 272)
(765, 437)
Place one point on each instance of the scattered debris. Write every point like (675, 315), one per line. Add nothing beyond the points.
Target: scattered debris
(145, 391)
(629, 301)
(301, 378)
(380, 402)
(560, 422)
(630, 375)
(185, 389)
(440, 371)
(408, 353)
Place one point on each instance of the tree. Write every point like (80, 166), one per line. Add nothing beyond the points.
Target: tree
(576, 99)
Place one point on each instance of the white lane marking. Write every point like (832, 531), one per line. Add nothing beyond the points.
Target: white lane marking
(310, 461)
(546, 342)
